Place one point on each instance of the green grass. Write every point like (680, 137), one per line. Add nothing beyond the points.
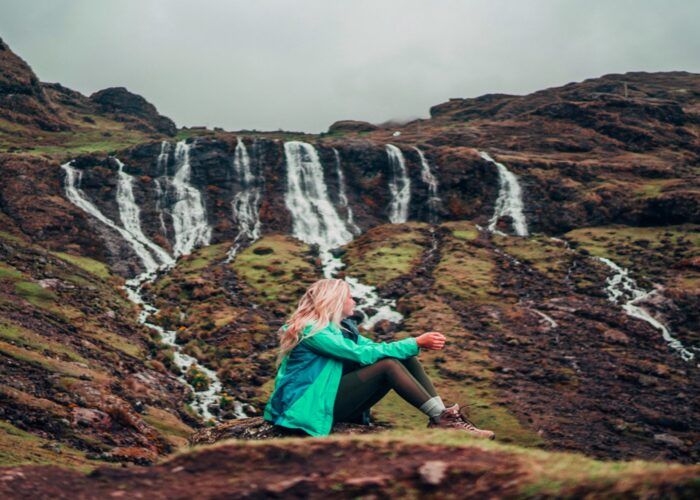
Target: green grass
(386, 252)
(463, 230)
(50, 364)
(652, 252)
(27, 339)
(204, 257)
(279, 276)
(465, 272)
(9, 272)
(35, 294)
(539, 251)
(99, 269)
(18, 447)
(169, 425)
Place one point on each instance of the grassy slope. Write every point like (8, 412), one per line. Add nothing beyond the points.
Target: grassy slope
(53, 340)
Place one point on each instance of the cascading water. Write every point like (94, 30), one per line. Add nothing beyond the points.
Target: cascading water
(189, 214)
(427, 176)
(245, 204)
(399, 186)
(315, 221)
(622, 289)
(314, 218)
(342, 196)
(160, 195)
(510, 199)
(78, 198)
(130, 214)
(133, 235)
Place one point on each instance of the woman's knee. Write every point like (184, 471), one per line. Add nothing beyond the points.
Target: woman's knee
(389, 365)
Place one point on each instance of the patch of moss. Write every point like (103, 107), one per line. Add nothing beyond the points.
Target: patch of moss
(99, 269)
(18, 447)
(277, 268)
(386, 252)
(25, 338)
(465, 271)
(51, 364)
(540, 252)
(114, 340)
(35, 294)
(463, 230)
(9, 272)
(169, 425)
(652, 252)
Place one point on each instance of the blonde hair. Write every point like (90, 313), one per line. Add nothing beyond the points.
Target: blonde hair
(321, 304)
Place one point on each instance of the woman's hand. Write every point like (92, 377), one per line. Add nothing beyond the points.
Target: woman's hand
(431, 340)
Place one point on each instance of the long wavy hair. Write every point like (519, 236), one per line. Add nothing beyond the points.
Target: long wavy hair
(321, 304)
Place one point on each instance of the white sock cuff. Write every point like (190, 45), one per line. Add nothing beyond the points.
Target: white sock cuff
(432, 407)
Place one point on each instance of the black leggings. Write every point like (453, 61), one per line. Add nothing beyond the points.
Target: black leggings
(359, 390)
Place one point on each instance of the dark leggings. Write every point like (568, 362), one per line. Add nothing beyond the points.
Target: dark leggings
(359, 390)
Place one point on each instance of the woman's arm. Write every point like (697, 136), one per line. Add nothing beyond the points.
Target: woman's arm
(364, 353)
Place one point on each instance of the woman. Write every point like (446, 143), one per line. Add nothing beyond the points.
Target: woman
(326, 374)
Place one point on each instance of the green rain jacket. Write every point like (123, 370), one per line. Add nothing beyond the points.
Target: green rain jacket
(308, 377)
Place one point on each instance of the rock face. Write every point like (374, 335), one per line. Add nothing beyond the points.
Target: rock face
(118, 100)
(351, 126)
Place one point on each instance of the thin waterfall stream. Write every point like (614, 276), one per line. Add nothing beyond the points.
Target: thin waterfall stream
(155, 261)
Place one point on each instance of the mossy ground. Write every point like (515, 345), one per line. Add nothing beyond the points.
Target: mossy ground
(654, 253)
(386, 252)
(278, 269)
(18, 447)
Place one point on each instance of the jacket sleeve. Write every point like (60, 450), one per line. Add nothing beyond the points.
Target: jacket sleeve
(365, 352)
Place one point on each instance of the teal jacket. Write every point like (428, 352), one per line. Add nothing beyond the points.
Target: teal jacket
(307, 379)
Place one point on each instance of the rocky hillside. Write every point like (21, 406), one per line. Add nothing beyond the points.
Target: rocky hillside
(553, 237)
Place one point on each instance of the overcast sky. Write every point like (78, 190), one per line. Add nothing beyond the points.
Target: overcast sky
(303, 64)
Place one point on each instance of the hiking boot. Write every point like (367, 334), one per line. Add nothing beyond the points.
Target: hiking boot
(451, 418)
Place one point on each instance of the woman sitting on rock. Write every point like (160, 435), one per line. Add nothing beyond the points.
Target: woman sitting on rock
(328, 372)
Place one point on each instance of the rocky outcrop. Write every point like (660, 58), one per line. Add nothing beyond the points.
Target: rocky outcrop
(22, 98)
(119, 101)
(351, 126)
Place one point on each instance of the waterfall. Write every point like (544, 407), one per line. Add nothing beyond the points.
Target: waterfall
(315, 221)
(78, 198)
(189, 214)
(245, 204)
(510, 199)
(129, 214)
(399, 186)
(621, 288)
(160, 195)
(430, 180)
(342, 196)
(314, 218)
(162, 160)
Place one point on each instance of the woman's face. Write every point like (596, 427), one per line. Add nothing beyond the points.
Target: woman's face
(348, 306)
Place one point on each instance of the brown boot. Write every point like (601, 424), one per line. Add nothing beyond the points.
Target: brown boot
(451, 418)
